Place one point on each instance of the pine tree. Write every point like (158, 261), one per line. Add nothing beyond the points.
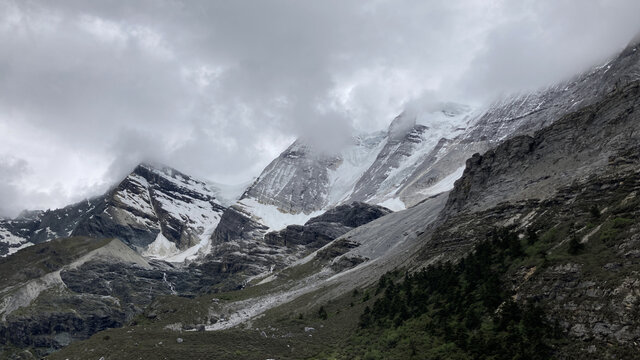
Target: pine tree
(532, 236)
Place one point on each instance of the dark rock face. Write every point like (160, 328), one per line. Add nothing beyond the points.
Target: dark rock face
(65, 319)
(97, 296)
(351, 215)
(102, 293)
(236, 224)
(103, 224)
(240, 246)
(311, 236)
(338, 248)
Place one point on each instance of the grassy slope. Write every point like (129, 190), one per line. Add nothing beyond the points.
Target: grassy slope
(35, 261)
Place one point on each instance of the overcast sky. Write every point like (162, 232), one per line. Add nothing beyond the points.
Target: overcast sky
(217, 89)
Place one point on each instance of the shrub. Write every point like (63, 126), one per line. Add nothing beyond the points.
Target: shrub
(322, 313)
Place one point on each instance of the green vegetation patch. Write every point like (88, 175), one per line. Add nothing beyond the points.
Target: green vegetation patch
(455, 311)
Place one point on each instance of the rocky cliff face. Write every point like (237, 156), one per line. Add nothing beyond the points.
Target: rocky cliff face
(320, 230)
(602, 137)
(152, 201)
(79, 286)
(38, 308)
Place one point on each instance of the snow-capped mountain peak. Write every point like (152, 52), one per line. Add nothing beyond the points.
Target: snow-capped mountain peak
(151, 201)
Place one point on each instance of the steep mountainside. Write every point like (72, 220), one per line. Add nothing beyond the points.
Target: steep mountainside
(411, 138)
(516, 115)
(301, 180)
(599, 138)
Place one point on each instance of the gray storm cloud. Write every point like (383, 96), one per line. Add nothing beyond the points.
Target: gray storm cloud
(219, 88)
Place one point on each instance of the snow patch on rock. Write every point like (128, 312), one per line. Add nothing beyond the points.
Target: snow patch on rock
(161, 248)
(394, 204)
(445, 184)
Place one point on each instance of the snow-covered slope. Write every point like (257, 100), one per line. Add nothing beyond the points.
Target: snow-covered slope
(520, 114)
(228, 194)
